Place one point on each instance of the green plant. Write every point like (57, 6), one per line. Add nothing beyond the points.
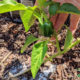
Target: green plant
(78, 71)
(29, 15)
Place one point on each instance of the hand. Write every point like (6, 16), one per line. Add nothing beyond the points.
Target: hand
(59, 20)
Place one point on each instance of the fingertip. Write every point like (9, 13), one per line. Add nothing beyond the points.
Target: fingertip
(74, 20)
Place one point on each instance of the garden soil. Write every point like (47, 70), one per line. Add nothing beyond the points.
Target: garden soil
(12, 38)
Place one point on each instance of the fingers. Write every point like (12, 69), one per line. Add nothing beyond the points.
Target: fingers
(60, 21)
(74, 20)
(36, 3)
(53, 19)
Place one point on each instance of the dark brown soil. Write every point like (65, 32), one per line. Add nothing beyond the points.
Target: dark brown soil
(12, 38)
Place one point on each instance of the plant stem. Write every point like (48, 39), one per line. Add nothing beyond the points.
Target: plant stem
(75, 43)
(65, 26)
(54, 56)
(48, 57)
(57, 42)
(57, 54)
(64, 51)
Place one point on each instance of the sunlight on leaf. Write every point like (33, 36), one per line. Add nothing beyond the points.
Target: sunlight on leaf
(10, 5)
(68, 40)
(27, 17)
(10, 1)
(38, 54)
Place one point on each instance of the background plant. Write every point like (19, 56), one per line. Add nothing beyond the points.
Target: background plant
(29, 15)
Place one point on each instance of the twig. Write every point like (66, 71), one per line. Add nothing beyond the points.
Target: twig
(57, 42)
(64, 51)
(6, 56)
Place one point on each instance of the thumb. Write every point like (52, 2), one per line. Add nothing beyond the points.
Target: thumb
(74, 20)
(58, 21)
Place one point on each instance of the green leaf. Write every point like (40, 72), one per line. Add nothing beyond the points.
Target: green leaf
(30, 39)
(68, 40)
(46, 29)
(38, 54)
(39, 15)
(27, 17)
(10, 1)
(47, 3)
(68, 8)
(54, 8)
(78, 75)
(10, 5)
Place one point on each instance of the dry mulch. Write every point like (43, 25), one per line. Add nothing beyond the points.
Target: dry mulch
(12, 38)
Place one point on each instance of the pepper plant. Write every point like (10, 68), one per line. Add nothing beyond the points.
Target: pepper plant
(46, 28)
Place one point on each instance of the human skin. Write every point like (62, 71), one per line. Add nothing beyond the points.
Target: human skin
(59, 20)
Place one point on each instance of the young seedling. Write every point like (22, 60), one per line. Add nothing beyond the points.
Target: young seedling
(29, 15)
